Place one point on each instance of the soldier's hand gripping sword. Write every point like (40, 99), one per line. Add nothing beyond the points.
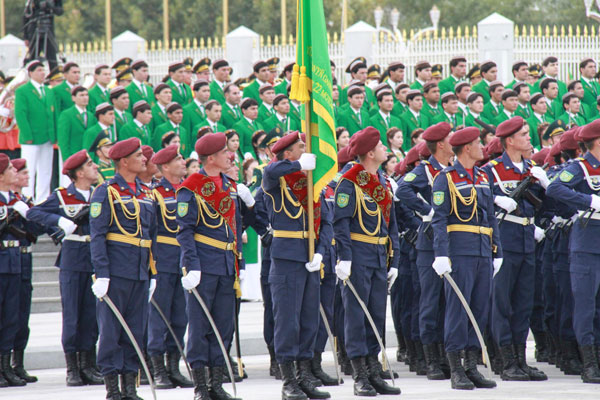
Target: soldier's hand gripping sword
(216, 331)
(121, 320)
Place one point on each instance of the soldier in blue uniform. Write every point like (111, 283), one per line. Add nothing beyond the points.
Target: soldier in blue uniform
(10, 272)
(169, 294)
(122, 227)
(466, 239)
(513, 287)
(79, 327)
(578, 185)
(366, 237)
(414, 190)
(293, 277)
(210, 235)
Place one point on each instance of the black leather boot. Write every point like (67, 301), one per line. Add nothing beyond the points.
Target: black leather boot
(344, 361)
(551, 343)
(234, 369)
(128, 389)
(161, 379)
(9, 373)
(541, 347)
(401, 352)
(200, 386)
(411, 357)
(143, 378)
(374, 371)
(317, 370)
(458, 378)
(73, 376)
(215, 389)
(510, 365)
(290, 390)
(273, 367)
(571, 364)
(444, 366)
(434, 372)
(306, 381)
(362, 386)
(3, 381)
(174, 373)
(17, 364)
(591, 372)
(86, 370)
(420, 365)
(475, 376)
(534, 373)
(111, 382)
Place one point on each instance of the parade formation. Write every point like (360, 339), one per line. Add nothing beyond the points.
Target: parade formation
(471, 203)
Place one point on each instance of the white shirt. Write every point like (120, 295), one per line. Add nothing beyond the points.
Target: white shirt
(81, 110)
(519, 165)
(138, 123)
(84, 193)
(413, 112)
(38, 86)
(200, 105)
(104, 127)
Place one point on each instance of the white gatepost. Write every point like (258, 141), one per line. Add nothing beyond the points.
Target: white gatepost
(128, 44)
(241, 51)
(359, 40)
(496, 42)
(12, 53)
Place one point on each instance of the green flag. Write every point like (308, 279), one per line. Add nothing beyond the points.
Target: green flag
(311, 85)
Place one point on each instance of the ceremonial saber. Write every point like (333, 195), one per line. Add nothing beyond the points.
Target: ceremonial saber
(121, 320)
(170, 328)
(330, 335)
(486, 357)
(238, 348)
(216, 331)
(373, 326)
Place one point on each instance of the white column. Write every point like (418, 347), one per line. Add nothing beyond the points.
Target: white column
(496, 42)
(241, 51)
(128, 44)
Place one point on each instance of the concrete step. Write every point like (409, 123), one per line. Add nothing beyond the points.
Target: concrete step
(45, 274)
(46, 289)
(45, 244)
(45, 304)
(44, 258)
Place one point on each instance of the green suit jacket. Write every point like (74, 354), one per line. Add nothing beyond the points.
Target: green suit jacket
(591, 91)
(349, 120)
(122, 120)
(555, 109)
(501, 117)
(469, 120)
(430, 111)
(245, 130)
(192, 116)
(533, 123)
(230, 116)
(62, 94)
(399, 109)
(264, 113)
(71, 128)
(90, 135)
(562, 87)
(159, 117)
(187, 144)
(382, 125)
(524, 112)
(483, 88)
(133, 130)
(216, 93)
(490, 112)
(135, 95)
(455, 122)
(272, 122)
(295, 113)
(97, 97)
(220, 127)
(370, 99)
(178, 97)
(578, 120)
(410, 123)
(416, 85)
(36, 115)
(447, 85)
(281, 87)
(251, 91)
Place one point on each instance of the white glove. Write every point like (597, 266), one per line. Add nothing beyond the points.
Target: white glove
(100, 287)
(4, 112)
(428, 217)
(191, 280)
(343, 270)
(308, 161)
(21, 208)
(67, 225)
(315, 264)
(151, 289)
(248, 156)
(391, 277)
(539, 174)
(556, 220)
(441, 265)
(538, 234)
(242, 275)
(574, 218)
(245, 195)
(505, 203)
(497, 264)
(595, 204)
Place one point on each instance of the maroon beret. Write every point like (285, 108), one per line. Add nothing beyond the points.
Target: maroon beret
(4, 162)
(510, 127)
(286, 141)
(577, 133)
(124, 148)
(567, 141)
(437, 132)
(464, 136)
(540, 156)
(75, 161)
(590, 131)
(554, 150)
(344, 155)
(423, 150)
(400, 169)
(210, 144)
(165, 155)
(19, 163)
(493, 147)
(412, 156)
(366, 140)
(147, 152)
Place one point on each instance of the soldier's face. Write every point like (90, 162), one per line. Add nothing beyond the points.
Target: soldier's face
(511, 103)
(361, 75)
(335, 93)
(176, 116)
(295, 151)
(475, 150)
(73, 75)
(122, 102)
(402, 94)
(574, 105)
(357, 100)
(283, 107)
(222, 73)
(22, 178)
(205, 74)
(520, 141)
(214, 114)
(491, 74)
(82, 98)
(460, 70)
(380, 153)
(451, 106)
(177, 75)
(589, 70)
(551, 69)
(552, 91)
(103, 77)
(176, 166)
(220, 160)
(141, 74)
(164, 97)
(263, 74)
(204, 94)
(416, 103)
(477, 105)
(540, 107)
(268, 96)
(38, 74)
(144, 117)
(433, 95)
(233, 95)
(497, 94)
(108, 118)
(386, 103)
(397, 75)
(251, 112)
(424, 74)
(578, 90)
(521, 73)
(187, 77)
(89, 172)
(463, 93)
(524, 95)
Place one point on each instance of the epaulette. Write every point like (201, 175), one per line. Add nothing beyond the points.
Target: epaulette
(59, 189)
(580, 158)
(533, 162)
(493, 162)
(425, 162)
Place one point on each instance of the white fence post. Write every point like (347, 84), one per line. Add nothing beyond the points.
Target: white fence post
(242, 50)
(496, 42)
(128, 44)
(12, 53)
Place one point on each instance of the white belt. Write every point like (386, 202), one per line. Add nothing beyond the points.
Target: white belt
(26, 249)
(78, 238)
(595, 214)
(519, 220)
(10, 243)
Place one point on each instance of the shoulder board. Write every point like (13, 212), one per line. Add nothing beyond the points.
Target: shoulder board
(493, 162)
(425, 162)
(58, 189)
(580, 158)
(533, 162)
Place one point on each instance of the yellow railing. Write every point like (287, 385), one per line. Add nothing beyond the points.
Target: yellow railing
(555, 31)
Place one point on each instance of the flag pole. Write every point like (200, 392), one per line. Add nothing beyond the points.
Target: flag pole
(310, 187)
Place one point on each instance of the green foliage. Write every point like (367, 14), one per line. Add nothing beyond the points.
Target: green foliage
(84, 20)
